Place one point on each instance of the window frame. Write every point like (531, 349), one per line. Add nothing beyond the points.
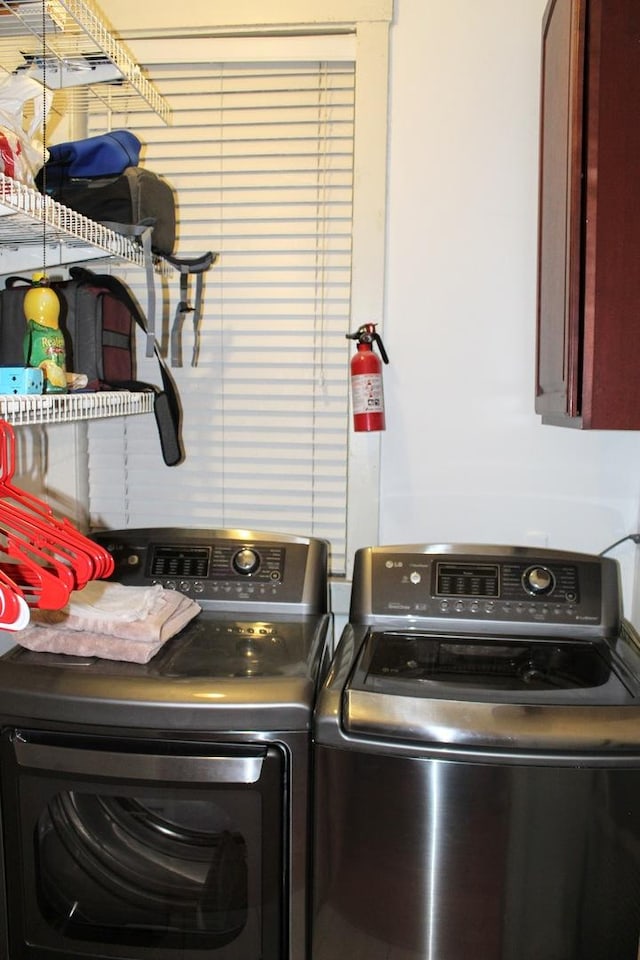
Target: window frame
(369, 21)
(245, 16)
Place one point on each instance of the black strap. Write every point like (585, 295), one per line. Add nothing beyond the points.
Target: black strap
(17, 281)
(197, 316)
(182, 308)
(196, 266)
(166, 404)
(142, 232)
(167, 413)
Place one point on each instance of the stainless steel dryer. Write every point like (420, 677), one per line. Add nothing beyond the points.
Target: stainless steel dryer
(161, 810)
(477, 761)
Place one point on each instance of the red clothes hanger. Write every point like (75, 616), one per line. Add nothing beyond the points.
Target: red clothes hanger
(101, 559)
(42, 557)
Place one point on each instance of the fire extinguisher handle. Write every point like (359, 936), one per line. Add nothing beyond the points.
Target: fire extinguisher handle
(367, 334)
(383, 352)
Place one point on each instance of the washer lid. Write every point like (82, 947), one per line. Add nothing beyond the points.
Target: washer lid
(493, 691)
(492, 668)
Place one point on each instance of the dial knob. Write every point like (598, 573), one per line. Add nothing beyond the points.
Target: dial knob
(246, 561)
(538, 581)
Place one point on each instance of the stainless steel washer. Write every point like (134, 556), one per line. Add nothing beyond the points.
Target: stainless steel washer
(161, 810)
(477, 761)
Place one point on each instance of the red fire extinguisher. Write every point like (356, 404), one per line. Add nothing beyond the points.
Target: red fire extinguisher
(366, 380)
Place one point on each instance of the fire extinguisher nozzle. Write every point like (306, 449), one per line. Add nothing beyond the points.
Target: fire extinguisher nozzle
(367, 334)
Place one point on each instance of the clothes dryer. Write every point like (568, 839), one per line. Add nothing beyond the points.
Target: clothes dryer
(160, 810)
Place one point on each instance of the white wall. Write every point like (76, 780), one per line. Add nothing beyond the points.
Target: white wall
(464, 457)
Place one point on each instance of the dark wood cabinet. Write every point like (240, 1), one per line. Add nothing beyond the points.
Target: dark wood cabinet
(588, 349)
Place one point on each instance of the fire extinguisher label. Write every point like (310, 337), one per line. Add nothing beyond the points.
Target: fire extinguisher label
(366, 391)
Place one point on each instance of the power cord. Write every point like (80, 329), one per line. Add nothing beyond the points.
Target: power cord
(631, 536)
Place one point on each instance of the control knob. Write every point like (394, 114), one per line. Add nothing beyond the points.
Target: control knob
(246, 561)
(538, 581)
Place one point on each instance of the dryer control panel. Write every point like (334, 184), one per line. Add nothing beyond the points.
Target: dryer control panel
(238, 570)
(485, 588)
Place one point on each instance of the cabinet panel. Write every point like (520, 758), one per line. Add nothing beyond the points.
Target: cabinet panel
(560, 209)
(589, 231)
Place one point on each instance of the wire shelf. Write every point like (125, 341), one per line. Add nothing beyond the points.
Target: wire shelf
(68, 43)
(32, 409)
(29, 217)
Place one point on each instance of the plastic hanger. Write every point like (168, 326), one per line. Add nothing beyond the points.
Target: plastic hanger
(14, 612)
(43, 581)
(32, 532)
(90, 560)
(101, 559)
(42, 558)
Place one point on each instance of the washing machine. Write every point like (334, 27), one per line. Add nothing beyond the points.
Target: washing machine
(477, 761)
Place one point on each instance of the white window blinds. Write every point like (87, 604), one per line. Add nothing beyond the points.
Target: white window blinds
(261, 159)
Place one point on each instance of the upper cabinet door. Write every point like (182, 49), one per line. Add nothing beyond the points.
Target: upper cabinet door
(589, 229)
(560, 211)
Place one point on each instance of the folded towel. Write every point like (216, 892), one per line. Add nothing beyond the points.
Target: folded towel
(101, 599)
(96, 629)
(168, 612)
(80, 643)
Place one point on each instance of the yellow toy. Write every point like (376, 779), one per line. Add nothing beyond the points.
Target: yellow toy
(44, 342)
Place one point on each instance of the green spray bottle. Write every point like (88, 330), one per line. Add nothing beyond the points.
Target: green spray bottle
(44, 342)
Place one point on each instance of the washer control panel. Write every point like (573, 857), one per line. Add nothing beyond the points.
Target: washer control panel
(507, 580)
(491, 588)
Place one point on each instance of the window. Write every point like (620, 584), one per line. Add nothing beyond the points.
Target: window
(277, 156)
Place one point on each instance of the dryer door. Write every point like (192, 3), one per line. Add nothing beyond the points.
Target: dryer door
(114, 848)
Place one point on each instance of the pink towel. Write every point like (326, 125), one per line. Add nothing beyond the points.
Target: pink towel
(100, 626)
